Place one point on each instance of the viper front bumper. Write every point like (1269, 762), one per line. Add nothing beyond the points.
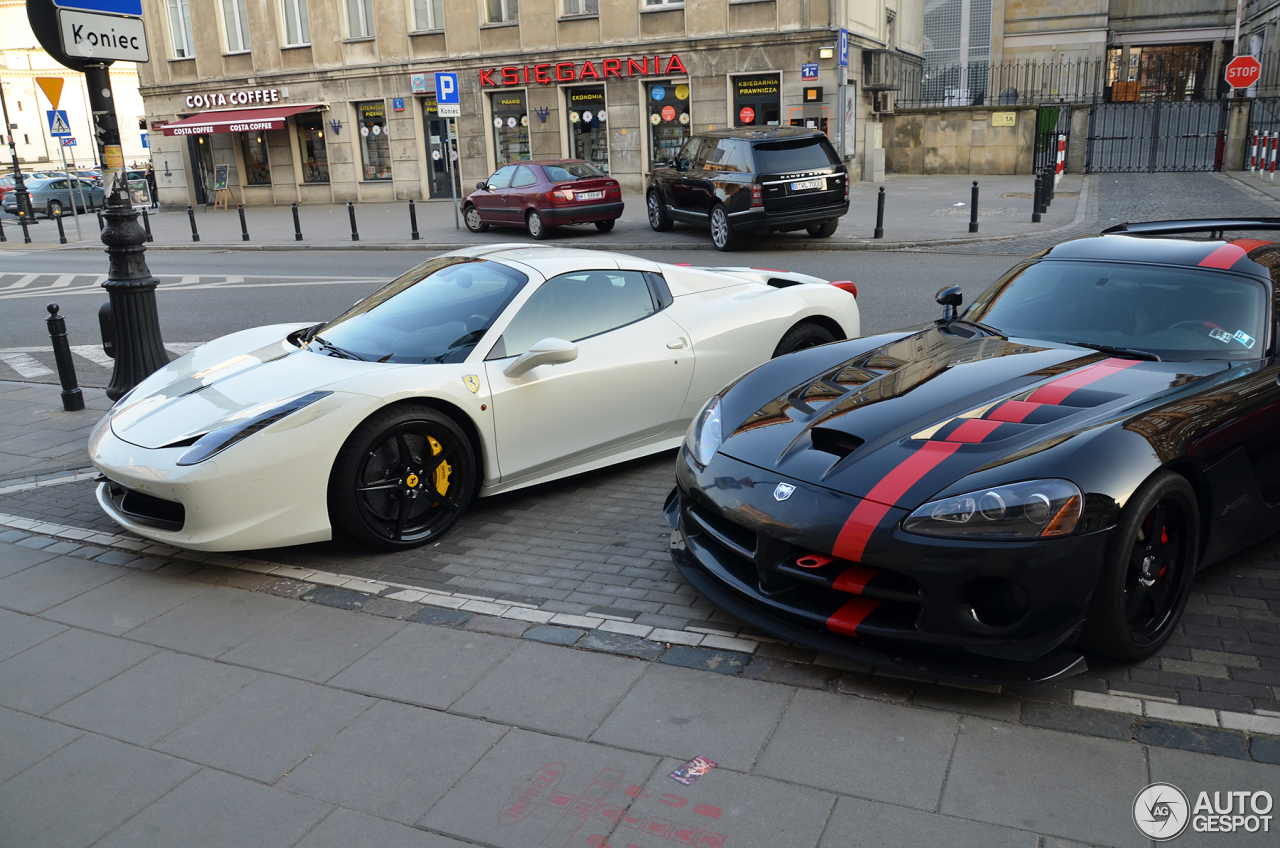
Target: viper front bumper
(932, 608)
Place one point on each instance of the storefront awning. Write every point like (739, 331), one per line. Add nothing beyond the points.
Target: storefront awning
(237, 120)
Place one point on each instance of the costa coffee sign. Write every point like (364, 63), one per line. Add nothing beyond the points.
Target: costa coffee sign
(579, 71)
(244, 97)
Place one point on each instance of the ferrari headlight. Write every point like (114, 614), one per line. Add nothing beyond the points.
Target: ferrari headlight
(216, 441)
(705, 434)
(1035, 509)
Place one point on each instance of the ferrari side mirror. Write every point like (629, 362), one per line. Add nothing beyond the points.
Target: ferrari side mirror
(549, 351)
(949, 299)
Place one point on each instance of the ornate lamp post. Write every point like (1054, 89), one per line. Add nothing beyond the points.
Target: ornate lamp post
(20, 186)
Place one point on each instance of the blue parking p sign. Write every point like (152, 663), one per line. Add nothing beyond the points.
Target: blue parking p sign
(448, 99)
(844, 48)
(132, 8)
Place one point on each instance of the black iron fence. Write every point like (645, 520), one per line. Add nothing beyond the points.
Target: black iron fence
(1119, 78)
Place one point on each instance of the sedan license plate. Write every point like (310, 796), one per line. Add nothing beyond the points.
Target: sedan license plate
(807, 185)
(590, 195)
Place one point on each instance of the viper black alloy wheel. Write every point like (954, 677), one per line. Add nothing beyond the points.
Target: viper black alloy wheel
(403, 478)
(1150, 564)
(658, 219)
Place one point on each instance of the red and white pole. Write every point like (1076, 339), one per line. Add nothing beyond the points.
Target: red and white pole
(1253, 154)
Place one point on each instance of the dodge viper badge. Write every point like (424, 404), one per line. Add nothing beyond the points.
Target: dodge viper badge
(783, 491)
(472, 382)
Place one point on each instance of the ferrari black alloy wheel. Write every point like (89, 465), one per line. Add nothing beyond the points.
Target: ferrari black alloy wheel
(1147, 575)
(802, 336)
(403, 477)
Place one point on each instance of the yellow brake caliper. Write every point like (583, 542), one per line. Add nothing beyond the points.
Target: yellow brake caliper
(442, 472)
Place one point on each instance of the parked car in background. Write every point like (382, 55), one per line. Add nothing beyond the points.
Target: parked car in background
(743, 180)
(54, 195)
(7, 184)
(542, 195)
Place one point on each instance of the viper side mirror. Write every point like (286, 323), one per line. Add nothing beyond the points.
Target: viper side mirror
(949, 299)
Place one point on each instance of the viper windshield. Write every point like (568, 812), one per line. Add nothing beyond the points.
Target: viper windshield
(437, 312)
(1173, 312)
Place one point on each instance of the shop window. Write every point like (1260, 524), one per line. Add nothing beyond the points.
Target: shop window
(375, 145)
(510, 127)
(581, 7)
(757, 101)
(668, 114)
(359, 18)
(428, 15)
(588, 138)
(235, 20)
(257, 171)
(297, 28)
(180, 30)
(503, 11)
(311, 145)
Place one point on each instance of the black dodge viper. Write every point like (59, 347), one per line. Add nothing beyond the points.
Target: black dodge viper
(997, 493)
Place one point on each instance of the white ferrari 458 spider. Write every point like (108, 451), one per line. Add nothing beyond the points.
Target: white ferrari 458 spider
(478, 372)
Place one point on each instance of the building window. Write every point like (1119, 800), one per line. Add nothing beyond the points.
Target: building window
(297, 29)
(375, 145)
(510, 127)
(588, 138)
(360, 18)
(315, 156)
(503, 11)
(235, 16)
(428, 15)
(651, 3)
(257, 170)
(180, 30)
(581, 7)
(668, 113)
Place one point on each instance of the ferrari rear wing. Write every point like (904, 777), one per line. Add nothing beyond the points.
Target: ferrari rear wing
(1193, 225)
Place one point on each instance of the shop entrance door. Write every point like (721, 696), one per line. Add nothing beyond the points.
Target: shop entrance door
(439, 147)
(201, 155)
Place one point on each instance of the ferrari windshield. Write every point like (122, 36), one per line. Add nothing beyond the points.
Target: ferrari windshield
(1173, 312)
(435, 313)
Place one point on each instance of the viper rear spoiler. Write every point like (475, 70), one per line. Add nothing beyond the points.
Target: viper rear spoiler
(1193, 225)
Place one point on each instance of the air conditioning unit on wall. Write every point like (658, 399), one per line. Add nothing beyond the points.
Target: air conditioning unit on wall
(882, 101)
(879, 70)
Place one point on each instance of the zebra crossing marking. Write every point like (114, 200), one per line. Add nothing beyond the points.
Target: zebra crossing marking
(25, 364)
(95, 354)
(20, 359)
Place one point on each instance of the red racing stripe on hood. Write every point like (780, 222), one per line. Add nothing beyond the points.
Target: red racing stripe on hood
(866, 515)
(1224, 257)
(1056, 392)
(973, 430)
(1012, 411)
(846, 619)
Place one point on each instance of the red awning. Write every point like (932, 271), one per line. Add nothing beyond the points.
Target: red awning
(236, 120)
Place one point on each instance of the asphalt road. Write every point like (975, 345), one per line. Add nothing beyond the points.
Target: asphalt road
(204, 295)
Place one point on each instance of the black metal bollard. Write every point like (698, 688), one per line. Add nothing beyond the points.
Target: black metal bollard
(1051, 186)
(146, 224)
(351, 211)
(1035, 203)
(26, 234)
(879, 233)
(297, 225)
(244, 227)
(191, 213)
(62, 235)
(72, 397)
(973, 209)
(1046, 186)
(413, 222)
(3, 237)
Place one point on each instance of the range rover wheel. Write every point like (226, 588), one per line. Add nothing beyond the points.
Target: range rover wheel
(824, 230)
(722, 234)
(657, 215)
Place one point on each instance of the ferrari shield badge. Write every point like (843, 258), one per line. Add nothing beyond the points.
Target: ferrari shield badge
(472, 382)
(783, 491)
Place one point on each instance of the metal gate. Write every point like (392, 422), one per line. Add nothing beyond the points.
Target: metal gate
(1053, 128)
(1153, 136)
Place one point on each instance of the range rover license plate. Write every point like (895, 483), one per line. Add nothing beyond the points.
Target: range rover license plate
(807, 185)
(590, 195)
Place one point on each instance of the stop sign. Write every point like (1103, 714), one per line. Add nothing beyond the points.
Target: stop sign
(1243, 71)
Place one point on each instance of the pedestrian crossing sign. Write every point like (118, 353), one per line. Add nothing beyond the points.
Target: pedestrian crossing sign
(59, 126)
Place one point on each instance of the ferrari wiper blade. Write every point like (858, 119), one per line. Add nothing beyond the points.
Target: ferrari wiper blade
(333, 350)
(1119, 351)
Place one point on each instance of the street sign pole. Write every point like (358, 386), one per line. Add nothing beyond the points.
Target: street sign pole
(52, 88)
(453, 184)
(449, 106)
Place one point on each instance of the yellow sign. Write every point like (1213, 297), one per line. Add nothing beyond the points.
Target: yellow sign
(1004, 119)
(52, 88)
(472, 382)
(411, 481)
(682, 92)
(113, 157)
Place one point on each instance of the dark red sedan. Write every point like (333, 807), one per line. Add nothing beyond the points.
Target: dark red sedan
(545, 194)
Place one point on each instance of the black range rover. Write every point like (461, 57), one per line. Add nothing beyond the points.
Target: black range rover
(743, 180)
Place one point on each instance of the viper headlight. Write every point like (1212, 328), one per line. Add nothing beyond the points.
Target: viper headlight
(706, 434)
(1035, 509)
(216, 441)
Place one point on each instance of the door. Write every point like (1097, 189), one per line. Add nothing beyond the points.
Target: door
(520, 196)
(59, 191)
(492, 202)
(688, 192)
(625, 389)
(201, 157)
(439, 149)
